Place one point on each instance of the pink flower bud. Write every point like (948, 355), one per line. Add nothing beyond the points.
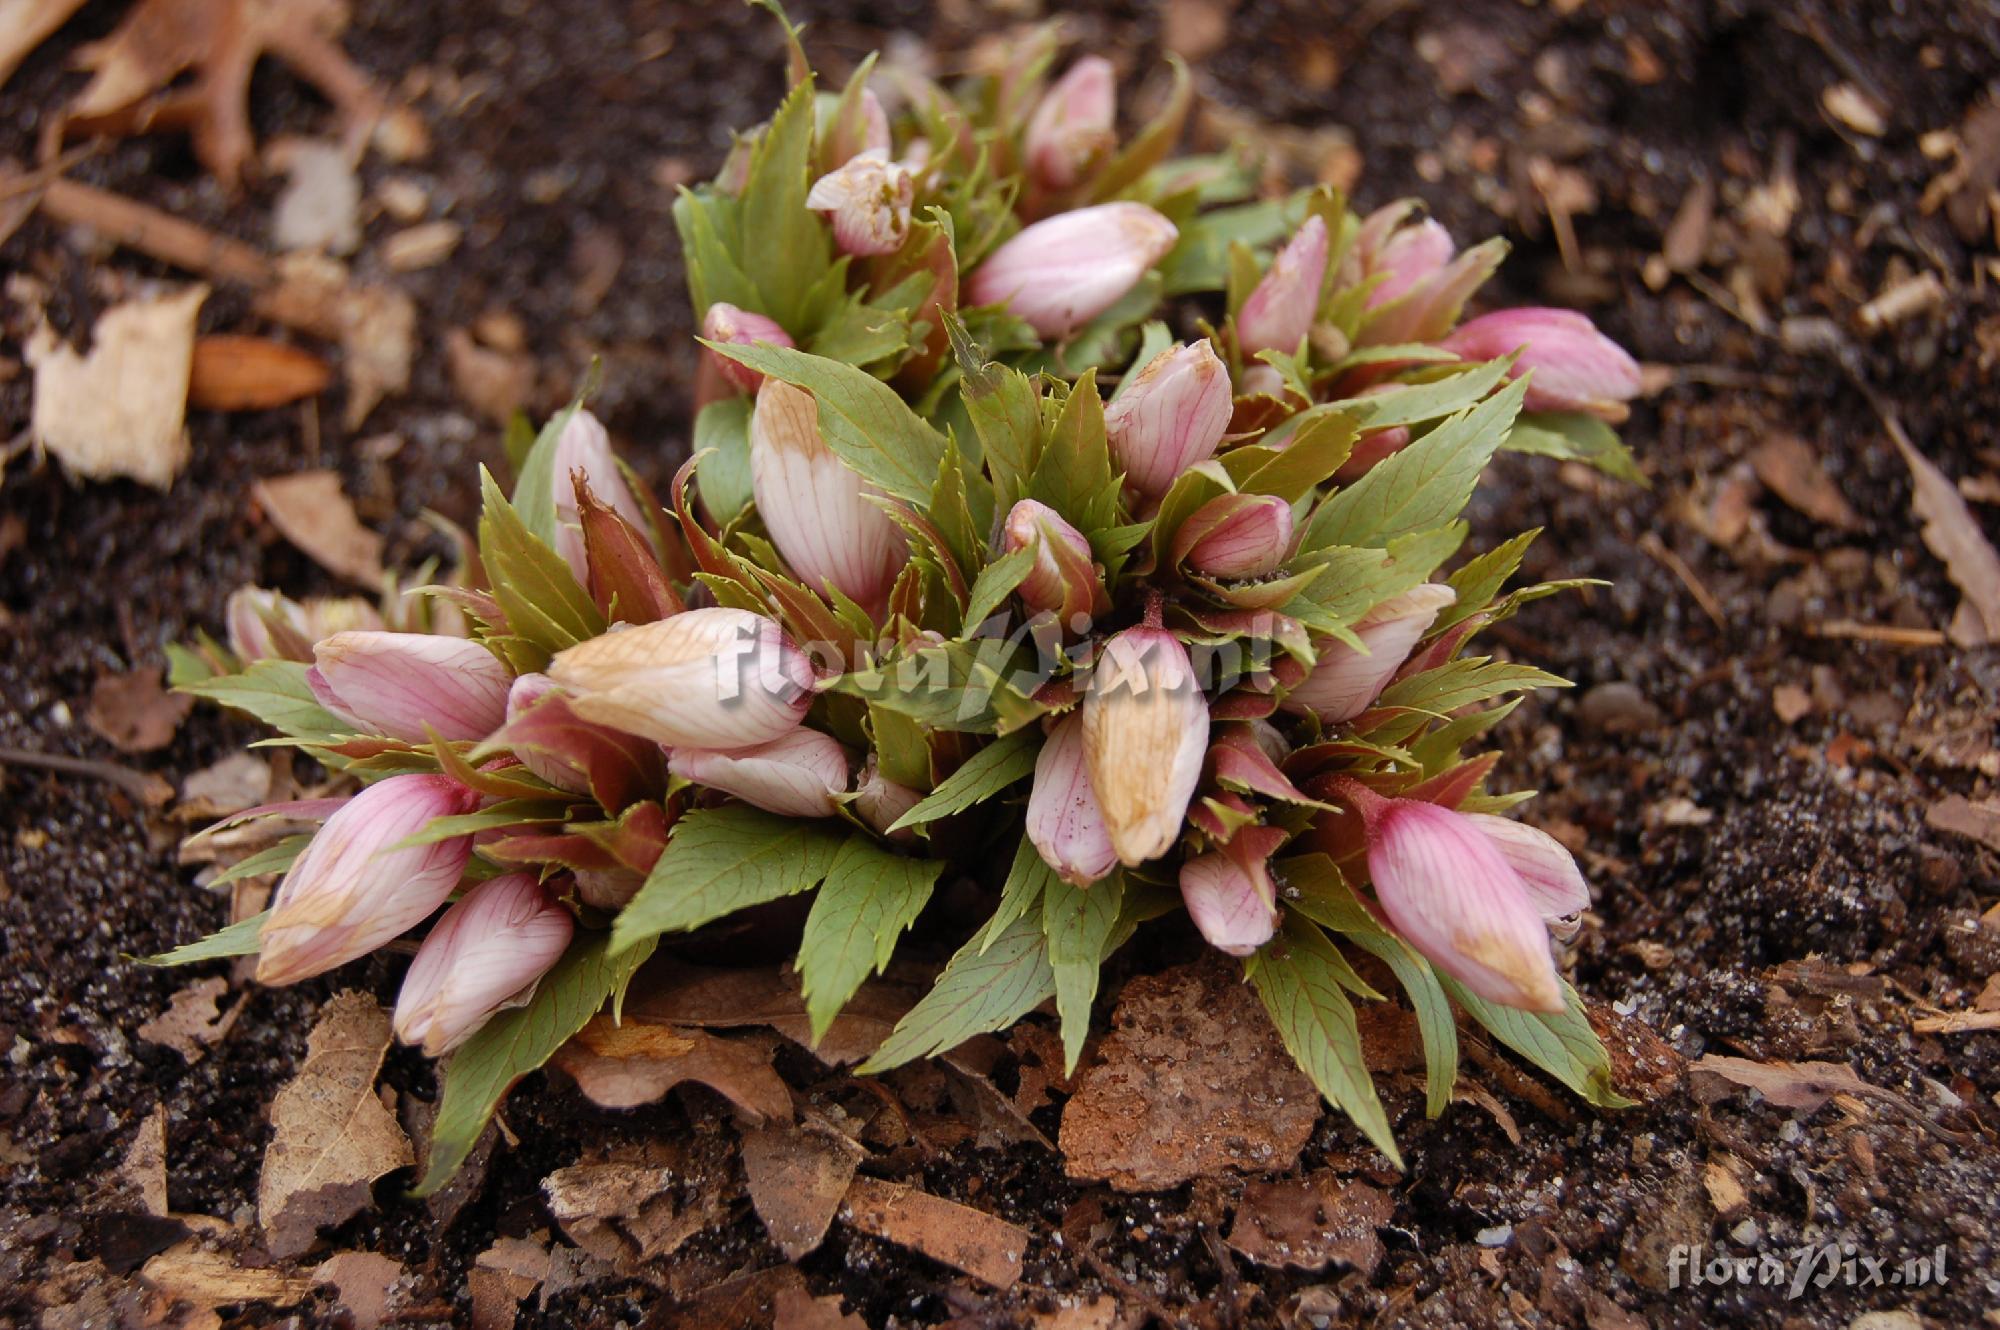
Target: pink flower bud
(397, 683)
(1229, 893)
(739, 327)
(1063, 580)
(1145, 728)
(1547, 870)
(815, 508)
(485, 954)
(1237, 535)
(1171, 416)
(350, 892)
(875, 136)
(1065, 270)
(265, 624)
(1576, 367)
(529, 690)
(1280, 311)
(795, 775)
(583, 446)
(1064, 822)
(868, 200)
(1344, 681)
(880, 802)
(1073, 123)
(707, 678)
(1450, 892)
(1408, 257)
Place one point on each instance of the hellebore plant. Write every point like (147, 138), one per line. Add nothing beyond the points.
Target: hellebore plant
(928, 599)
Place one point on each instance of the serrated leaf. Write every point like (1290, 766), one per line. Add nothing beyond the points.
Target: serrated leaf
(1575, 436)
(275, 692)
(186, 665)
(506, 813)
(518, 1041)
(543, 602)
(722, 445)
(1078, 922)
(1459, 683)
(1479, 579)
(720, 860)
(956, 686)
(1563, 1044)
(996, 582)
(271, 859)
(1200, 258)
(1299, 983)
(979, 992)
(237, 939)
(1357, 580)
(782, 242)
(1074, 475)
(1027, 879)
(706, 222)
(869, 897)
(985, 774)
(1005, 413)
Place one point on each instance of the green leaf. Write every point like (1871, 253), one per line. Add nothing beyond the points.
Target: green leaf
(956, 686)
(1459, 683)
(979, 992)
(1027, 879)
(1078, 922)
(535, 480)
(720, 860)
(517, 1042)
(1154, 340)
(238, 939)
(902, 749)
(1561, 1043)
(864, 420)
(1073, 475)
(722, 442)
(271, 859)
(1150, 145)
(1576, 436)
(782, 242)
(1200, 258)
(996, 582)
(951, 514)
(985, 774)
(539, 594)
(1413, 404)
(1357, 580)
(1480, 579)
(506, 813)
(186, 665)
(1006, 415)
(1298, 979)
(703, 218)
(275, 692)
(870, 896)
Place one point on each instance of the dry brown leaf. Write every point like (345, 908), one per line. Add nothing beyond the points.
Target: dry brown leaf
(502, 1275)
(983, 1246)
(1953, 534)
(1085, 1313)
(632, 1208)
(120, 410)
(1790, 468)
(424, 245)
(1961, 816)
(134, 712)
(331, 1137)
(1800, 1085)
(369, 1284)
(730, 999)
(236, 373)
(144, 1168)
(375, 325)
(210, 1279)
(793, 1308)
(625, 1065)
(321, 204)
(494, 383)
(1191, 1080)
(26, 24)
(1311, 1222)
(191, 1024)
(797, 1177)
(239, 781)
(311, 510)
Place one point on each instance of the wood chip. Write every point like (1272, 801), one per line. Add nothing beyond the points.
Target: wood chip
(768, 995)
(422, 246)
(1790, 468)
(191, 1024)
(630, 1208)
(237, 373)
(796, 1309)
(119, 411)
(625, 1065)
(1954, 535)
(210, 1279)
(1902, 302)
(370, 1286)
(134, 712)
(1791, 703)
(797, 1177)
(1312, 1222)
(144, 1168)
(1725, 1192)
(1962, 817)
(983, 1246)
(1798, 1085)
(375, 325)
(26, 24)
(1854, 108)
(331, 1137)
(311, 510)
(320, 207)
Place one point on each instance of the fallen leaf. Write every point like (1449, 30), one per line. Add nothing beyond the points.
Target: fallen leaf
(237, 373)
(369, 1285)
(1961, 816)
(1311, 1222)
(26, 24)
(310, 509)
(375, 325)
(321, 203)
(1790, 468)
(1791, 703)
(1191, 1080)
(424, 245)
(120, 410)
(983, 1246)
(1800, 1085)
(625, 1065)
(797, 1177)
(494, 383)
(419, 1118)
(144, 1168)
(241, 780)
(134, 713)
(191, 1025)
(631, 1208)
(1193, 29)
(210, 1279)
(729, 999)
(1098, 1313)
(331, 1137)
(793, 1308)
(501, 1276)
(1953, 534)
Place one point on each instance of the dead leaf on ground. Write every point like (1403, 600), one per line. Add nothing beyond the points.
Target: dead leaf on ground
(211, 1279)
(625, 1065)
(26, 24)
(1790, 468)
(1083, 1313)
(239, 781)
(370, 1286)
(501, 1276)
(331, 1137)
(375, 325)
(311, 510)
(1643, 1065)
(768, 995)
(191, 1024)
(795, 1309)
(1961, 816)
(321, 203)
(1191, 1080)
(1799, 1085)
(134, 712)
(1953, 534)
(237, 373)
(494, 383)
(121, 409)
(797, 1177)
(634, 1206)
(1311, 1222)
(983, 1246)
(144, 1169)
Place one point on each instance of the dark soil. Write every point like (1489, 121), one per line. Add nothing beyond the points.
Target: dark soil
(1766, 889)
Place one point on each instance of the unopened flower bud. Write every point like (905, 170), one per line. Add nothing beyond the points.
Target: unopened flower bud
(1229, 893)
(1073, 123)
(583, 446)
(1237, 535)
(815, 507)
(1263, 379)
(1344, 681)
(1408, 257)
(707, 678)
(1171, 416)
(1063, 581)
(350, 891)
(398, 683)
(485, 954)
(1064, 821)
(1065, 270)
(881, 802)
(1145, 728)
(868, 200)
(724, 322)
(795, 775)
(1280, 311)
(528, 691)
(1576, 367)
(1547, 870)
(265, 624)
